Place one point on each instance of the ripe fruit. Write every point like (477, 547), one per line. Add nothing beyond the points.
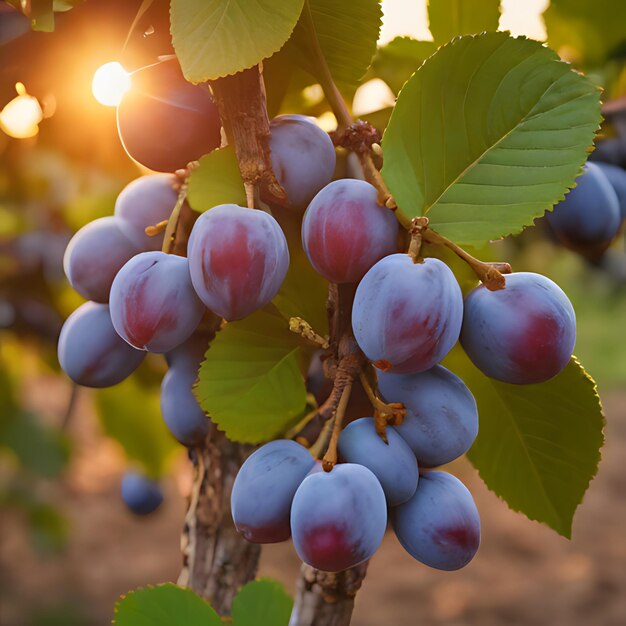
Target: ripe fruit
(264, 489)
(145, 201)
(140, 494)
(617, 177)
(238, 259)
(153, 304)
(407, 316)
(91, 353)
(589, 217)
(439, 526)
(345, 231)
(441, 420)
(303, 157)
(338, 519)
(522, 334)
(165, 122)
(94, 256)
(393, 463)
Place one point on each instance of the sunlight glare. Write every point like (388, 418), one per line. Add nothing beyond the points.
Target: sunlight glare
(20, 117)
(110, 82)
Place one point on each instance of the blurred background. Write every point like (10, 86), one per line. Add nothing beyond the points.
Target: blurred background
(68, 546)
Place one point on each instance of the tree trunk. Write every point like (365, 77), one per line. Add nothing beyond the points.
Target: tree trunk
(217, 560)
(325, 599)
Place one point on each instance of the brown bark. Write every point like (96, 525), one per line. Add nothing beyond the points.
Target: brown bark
(217, 561)
(325, 599)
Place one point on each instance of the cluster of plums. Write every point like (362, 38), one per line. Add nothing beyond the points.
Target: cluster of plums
(591, 215)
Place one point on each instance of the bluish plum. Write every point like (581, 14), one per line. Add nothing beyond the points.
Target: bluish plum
(589, 217)
(345, 231)
(611, 150)
(393, 463)
(140, 494)
(91, 353)
(617, 177)
(94, 256)
(522, 334)
(303, 157)
(146, 201)
(439, 526)
(338, 518)
(165, 122)
(441, 420)
(264, 490)
(180, 410)
(153, 304)
(238, 259)
(407, 316)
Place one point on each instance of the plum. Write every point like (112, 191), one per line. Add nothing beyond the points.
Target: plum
(141, 494)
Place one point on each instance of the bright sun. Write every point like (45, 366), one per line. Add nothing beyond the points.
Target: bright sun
(110, 82)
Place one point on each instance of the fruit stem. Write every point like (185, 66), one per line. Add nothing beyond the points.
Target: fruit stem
(384, 413)
(304, 329)
(156, 229)
(330, 458)
(172, 223)
(418, 227)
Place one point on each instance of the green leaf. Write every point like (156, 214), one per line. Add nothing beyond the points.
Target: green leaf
(538, 446)
(397, 61)
(262, 603)
(450, 18)
(215, 38)
(131, 414)
(216, 181)
(251, 383)
(42, 15)
(487, 135)
(164, 605)
(347, 33)
(585, 32)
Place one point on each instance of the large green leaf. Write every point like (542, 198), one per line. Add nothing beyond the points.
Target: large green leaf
(586, 32)
(449, 18)
(347, 33)
(538, 446)
(251, 383)
(216, 181)
(396, 61)
(262, 603)
(215, 38)
(164, 605)
(130, 413)
(487, 135)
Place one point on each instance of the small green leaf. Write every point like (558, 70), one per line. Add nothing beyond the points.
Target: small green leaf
(262, 603)
(487, 135)
(450, 18)
(42, 15)
(215, 38)
(347, 33)
(217, 181)
(586, 32)
(538, 446)
(396, 61)
(130, 413)
(251, 384)
(164, 605)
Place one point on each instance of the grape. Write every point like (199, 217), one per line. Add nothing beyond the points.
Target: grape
(522, 334)
(264, 489)
(94, 255)
(338, 518)
(439, 526)
(393, 463)
(589, 217)
(146, 201)
(303, 157)
(407, 316)
(238, 259)
(140, 494)
(345, 231)
(153, 304)
(617, 177)
(180, 410)
(441, 419)
(165, 122)
(91, 353)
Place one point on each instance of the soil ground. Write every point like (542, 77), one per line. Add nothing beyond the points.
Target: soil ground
(524, 574)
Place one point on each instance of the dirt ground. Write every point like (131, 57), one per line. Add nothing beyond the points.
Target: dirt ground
(524, 574)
